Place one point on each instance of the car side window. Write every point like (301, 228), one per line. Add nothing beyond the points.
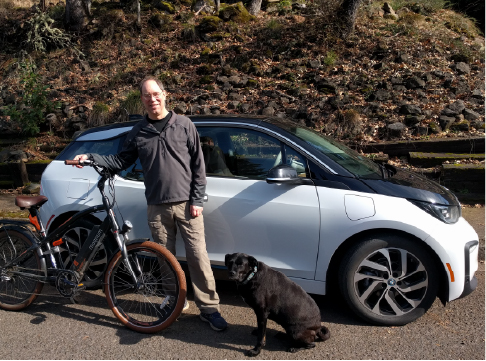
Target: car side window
(134, 172)
(296, 161)
(240, 152)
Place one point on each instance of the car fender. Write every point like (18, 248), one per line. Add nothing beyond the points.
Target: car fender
(395, 215)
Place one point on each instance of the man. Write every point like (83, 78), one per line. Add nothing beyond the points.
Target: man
(170, 152)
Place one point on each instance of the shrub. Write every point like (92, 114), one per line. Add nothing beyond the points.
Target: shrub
(330, 58)
(99, 115)
(30, 114)
(284, 6)
(133, 104)
(461, 24)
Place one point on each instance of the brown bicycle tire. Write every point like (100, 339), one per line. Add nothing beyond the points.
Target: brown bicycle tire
(38, 286)
(112, 302)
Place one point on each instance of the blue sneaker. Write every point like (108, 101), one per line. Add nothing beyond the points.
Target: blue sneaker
(215, 320)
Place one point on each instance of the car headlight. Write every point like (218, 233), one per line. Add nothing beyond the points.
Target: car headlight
(447, 214)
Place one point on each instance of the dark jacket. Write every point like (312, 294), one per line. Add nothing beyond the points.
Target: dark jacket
(172, 160)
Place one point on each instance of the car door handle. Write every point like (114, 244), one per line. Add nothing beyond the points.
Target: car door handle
(205, 198)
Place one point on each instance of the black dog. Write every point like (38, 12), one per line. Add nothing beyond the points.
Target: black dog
(273, 296)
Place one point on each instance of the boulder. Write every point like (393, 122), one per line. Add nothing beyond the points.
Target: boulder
(396, 129)
(454, 108)
(462, 68)
(32, 188)
(209, 24)
(236, 13)
(414, 82)
(446, 122)
(410, 109)
(181, 108)
(164, 6)
(268, 111)
(470, 114)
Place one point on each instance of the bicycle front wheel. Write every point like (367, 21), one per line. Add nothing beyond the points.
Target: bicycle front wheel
(16, 290)
(158, 299)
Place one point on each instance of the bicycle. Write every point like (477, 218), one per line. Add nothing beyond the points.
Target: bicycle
(144, 283)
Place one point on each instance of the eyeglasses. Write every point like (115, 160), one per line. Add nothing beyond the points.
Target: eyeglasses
(156, 95)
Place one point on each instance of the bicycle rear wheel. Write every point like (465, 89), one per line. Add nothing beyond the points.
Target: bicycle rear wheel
(159, 300)
(17, 291)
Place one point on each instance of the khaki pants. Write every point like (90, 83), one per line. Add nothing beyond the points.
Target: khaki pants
(163, 220)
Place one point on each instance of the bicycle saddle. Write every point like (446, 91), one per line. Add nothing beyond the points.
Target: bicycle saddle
(26, 201)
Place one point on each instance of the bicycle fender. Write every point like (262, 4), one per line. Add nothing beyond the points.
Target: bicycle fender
(138, 240)
(28, 233)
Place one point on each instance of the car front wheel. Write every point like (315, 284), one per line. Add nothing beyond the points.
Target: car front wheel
(388, 280)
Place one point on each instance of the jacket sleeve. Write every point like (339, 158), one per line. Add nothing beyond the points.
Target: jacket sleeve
(198, 168)
(117, 162)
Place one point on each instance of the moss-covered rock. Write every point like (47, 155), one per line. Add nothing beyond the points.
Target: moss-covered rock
(236, 13)
(161, 21)
(206, 79)
(164, 6)
(252, 83)
(209, 24)
(219, 36)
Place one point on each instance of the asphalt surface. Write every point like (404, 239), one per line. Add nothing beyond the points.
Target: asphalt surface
(53, 328)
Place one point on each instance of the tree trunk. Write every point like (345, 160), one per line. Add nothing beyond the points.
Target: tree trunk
(255, 7)
(77, 14)
(347, 16)
(217, 2)
(42, 5)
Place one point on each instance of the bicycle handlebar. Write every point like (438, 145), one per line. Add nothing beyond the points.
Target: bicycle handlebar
(78, 162)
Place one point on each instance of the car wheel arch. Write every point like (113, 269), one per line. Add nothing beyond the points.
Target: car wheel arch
(341, 251)
(60, 219)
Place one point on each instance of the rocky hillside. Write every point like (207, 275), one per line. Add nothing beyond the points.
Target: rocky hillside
(407, 73)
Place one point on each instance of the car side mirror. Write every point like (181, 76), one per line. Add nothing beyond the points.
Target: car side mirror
(283, 173)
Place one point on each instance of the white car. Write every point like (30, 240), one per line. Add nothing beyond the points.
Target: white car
(304, 204)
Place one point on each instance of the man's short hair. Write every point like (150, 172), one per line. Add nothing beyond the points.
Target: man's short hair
(151, 77)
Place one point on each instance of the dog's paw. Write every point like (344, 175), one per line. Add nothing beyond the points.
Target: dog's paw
(293, 349)
(252, 353)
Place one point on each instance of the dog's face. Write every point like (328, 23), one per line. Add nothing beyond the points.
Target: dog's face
(239, 265)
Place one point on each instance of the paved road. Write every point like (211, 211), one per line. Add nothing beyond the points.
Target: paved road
(52, 328)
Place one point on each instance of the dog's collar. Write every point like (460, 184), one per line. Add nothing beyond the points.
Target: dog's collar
(250, 276)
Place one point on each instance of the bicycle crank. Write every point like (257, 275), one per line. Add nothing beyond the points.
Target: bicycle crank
(68, 285)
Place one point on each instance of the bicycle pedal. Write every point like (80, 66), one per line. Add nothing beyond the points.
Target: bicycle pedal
(80, 287)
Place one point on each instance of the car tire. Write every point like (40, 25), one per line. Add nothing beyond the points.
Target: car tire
(74, 238)
(388, 279)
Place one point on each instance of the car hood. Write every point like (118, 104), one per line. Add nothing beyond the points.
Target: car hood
(414, 186)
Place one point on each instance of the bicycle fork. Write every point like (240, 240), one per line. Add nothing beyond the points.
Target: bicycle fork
(121, 238)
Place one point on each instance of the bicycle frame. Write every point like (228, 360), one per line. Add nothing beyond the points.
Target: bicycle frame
(88, 250)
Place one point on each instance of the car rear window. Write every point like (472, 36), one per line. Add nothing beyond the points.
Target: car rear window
(103, 147)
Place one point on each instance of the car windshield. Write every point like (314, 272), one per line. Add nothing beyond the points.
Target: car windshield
(349, 159)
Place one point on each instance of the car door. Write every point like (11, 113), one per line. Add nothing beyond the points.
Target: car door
(276, 223)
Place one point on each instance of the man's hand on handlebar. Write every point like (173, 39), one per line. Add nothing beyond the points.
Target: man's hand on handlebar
(80, 158)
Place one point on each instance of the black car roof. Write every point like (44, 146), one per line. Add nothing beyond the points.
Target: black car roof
(228, 118)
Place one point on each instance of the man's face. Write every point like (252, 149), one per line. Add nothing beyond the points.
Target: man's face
(153, 99)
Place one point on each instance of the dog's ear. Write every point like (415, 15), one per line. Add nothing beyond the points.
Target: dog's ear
(252, 262)
(226, 259)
